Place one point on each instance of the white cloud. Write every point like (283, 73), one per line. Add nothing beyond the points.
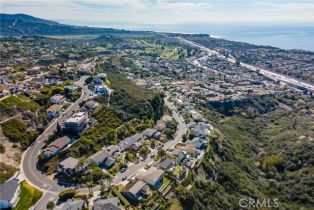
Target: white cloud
(145, 12)
(288, 6)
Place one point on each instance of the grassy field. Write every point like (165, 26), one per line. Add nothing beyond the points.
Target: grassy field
(28, 196)
(10, 102)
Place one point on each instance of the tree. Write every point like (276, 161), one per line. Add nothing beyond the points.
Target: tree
(158, 106)
(144, 150)
(89, 185)
(59, 129)
(161, 153)
(111, 136)
(2, 148)
(50, 205)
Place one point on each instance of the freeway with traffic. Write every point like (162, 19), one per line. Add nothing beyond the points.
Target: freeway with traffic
(266, 73)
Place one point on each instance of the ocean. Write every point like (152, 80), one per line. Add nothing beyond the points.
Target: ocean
(284, 37)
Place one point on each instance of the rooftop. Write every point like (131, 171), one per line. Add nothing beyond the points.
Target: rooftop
(77, 117)
(53, 108)
(107, 204)
(99, 156)
(134, 189)
(69, 163)
(8, 189)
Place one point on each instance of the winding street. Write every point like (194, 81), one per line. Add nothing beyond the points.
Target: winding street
(28, 165)
(181, 129)
(51, 188)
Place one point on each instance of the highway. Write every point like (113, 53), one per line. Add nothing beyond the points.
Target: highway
(267, 73)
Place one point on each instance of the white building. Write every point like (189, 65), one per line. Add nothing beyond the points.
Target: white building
(76, 122)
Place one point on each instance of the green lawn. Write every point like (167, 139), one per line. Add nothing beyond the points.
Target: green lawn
(28, 196)
(165, 182)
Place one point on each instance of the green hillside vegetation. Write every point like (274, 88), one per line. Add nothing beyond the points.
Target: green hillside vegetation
(266, 156)
(12, 104)
(16, 131)
(6, 172)
(128, 103)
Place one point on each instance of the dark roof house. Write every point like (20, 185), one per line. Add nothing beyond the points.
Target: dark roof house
(107, 204)
(9, 192)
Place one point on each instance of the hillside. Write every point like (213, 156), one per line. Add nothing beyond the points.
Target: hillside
(26, 25)
(268, 156)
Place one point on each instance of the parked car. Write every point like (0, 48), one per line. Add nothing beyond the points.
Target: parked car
(124, 178)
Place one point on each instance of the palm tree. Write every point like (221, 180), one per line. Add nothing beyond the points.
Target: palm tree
(89, 185)
(108, 178)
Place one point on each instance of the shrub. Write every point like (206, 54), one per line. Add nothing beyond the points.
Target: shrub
(2, 148)
(50, 205)
(67, 194)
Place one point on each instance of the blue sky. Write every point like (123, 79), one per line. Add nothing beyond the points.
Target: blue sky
(136, 14)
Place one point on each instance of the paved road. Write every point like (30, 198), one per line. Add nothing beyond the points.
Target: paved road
(269, 74)
(168, 145)
(50, 187)
(28, 165)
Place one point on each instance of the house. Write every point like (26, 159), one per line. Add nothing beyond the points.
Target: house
(90, 105)
(157, 135)
(200, 129)
(70, 166)
(9, 194)
(136, 146)
(97, 80)
(71, 88)
(180, 155)
(34, 70)
(109, 162)
(149, 132)
(56, 146)
(129, 141)
(107, 204)
(112, 149)
(152, 177)
(53, 110)
(99, 157)
(197, 143)
(166, 118)
(102, 76)
(165, 164)
(196, 115)
(101, 89)
(135, 191)
(76, 122)
(57, 99)
(86, 68)
(160, 126)
(72, 204)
